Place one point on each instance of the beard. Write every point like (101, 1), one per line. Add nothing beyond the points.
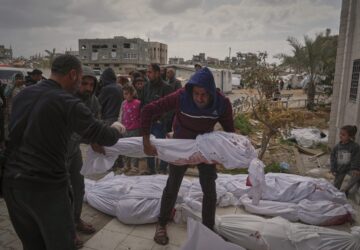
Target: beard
(84, 96)
(201, 105)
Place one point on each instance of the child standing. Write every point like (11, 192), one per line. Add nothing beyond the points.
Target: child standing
(345, 158)
(130, 117)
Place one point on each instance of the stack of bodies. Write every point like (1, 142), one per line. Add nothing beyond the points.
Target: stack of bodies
(136, 200)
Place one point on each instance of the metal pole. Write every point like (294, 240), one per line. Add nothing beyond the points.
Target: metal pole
(229, 56)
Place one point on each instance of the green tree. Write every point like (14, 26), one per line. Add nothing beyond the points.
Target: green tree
(247, 60)
(272, 114)
(261, 75)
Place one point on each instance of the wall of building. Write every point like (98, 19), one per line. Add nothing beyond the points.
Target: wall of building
(120, 53)
(176, 60)
(345, 111)
(158, 52)
(5, 53)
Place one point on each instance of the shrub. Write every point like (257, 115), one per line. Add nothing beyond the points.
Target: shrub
(274, 168)
(242, 123)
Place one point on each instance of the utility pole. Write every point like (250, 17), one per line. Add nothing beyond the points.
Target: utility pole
(229, 56)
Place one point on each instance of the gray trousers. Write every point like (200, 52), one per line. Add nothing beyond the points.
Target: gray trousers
(339, 178)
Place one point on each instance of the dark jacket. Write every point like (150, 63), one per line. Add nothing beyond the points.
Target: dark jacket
(30, 81)
(153, 91)
(39, 157)
(175, 84)
(2, 112)
(345, 157)
(190, 120)
(93, 104)
(110, 97)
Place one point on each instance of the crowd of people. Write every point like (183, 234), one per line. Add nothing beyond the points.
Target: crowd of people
(48, 119)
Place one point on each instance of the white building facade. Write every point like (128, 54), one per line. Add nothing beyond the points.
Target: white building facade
(345, 107)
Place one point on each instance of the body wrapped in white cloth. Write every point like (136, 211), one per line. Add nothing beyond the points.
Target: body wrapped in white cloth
(229, 149)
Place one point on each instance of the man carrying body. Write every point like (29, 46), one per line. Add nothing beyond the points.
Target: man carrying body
(74, 158)
(198, 107)
(36, 181)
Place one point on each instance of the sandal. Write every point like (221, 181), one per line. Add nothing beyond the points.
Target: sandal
(161, 236)
(85, 228)
(78, 243)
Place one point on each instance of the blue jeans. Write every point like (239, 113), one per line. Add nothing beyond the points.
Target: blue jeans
(158, 130)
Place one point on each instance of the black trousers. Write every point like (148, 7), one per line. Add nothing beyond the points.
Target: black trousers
(42, 217)
(2, 124)
(207, 177)
(74, 164)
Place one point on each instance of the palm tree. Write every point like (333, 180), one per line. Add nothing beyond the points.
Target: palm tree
(51, 55)
(313, 61)
(315, 57)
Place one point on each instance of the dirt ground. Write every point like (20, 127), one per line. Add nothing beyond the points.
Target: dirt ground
(278, 150)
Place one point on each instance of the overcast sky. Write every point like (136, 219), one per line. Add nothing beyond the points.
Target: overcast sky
(187, 26)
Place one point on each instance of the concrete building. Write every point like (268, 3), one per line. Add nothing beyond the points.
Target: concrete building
(158, 52)
(120, 53)
(199, 58)
(5, 53)
(345, 107)
(176, 60)
(73, 53)
(212, 61)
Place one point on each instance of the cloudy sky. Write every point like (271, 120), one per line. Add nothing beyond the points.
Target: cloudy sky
(187, 26)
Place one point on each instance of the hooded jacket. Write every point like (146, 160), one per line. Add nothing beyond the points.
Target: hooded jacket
(110, 96)
(93, 104)
(190, 120)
